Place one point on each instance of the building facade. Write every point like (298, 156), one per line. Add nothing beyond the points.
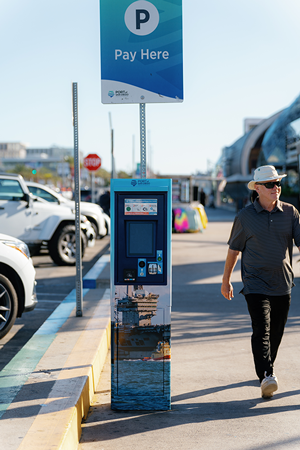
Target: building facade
(275, 141)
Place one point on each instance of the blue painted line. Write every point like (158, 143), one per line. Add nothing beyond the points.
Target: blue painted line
(17, 371)
(89, 284)
(61, 314)
(15, 374)
(90, 279)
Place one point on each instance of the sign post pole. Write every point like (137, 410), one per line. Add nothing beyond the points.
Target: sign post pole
(143, 140)
(93, 187)
(79, 298)
(112, 148)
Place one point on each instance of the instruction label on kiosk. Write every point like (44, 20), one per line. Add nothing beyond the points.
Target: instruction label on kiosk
(140, 207)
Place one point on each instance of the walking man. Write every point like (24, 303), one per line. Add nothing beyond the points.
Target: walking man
(264, 232)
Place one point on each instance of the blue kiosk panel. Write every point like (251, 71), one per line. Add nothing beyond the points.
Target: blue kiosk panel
(141, 294)
(141, 238)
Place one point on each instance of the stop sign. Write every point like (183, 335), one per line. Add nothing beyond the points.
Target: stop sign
(92, 162)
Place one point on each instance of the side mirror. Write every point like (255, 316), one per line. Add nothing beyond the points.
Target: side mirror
(26, 199)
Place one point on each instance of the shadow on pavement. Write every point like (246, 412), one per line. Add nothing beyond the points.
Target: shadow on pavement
(124, 424)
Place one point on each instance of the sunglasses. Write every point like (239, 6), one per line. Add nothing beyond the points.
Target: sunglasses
(270, 184)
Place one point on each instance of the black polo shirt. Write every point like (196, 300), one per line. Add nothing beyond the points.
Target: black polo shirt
(266, 242)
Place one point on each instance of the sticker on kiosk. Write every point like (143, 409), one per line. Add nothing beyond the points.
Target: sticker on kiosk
(140, 207)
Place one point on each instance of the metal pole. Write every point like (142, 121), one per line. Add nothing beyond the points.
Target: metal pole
(93, 187)
(133, 156)
(143, 140)
(112, 147)
(77, 206)
(149, 154)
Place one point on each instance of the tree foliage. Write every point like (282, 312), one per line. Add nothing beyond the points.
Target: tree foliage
(123, 174)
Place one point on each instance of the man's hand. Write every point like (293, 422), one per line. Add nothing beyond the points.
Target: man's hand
(227, 290)
(231, 260)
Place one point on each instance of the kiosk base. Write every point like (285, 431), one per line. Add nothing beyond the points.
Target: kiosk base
(147, 393)
(141, 349)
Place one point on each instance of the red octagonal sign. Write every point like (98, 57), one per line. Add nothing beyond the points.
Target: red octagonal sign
(92, 162)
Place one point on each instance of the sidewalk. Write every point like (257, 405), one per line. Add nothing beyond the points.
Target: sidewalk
(47, 388)
(216, 401)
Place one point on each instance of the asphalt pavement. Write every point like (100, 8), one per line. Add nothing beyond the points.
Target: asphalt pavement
(216, 401)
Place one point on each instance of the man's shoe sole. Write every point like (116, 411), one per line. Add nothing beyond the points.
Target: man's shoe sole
(268, 389)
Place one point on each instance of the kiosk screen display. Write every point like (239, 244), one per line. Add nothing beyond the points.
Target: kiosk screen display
(140, 238)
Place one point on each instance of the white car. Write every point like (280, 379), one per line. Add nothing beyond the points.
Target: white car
(94, 213)
(17, 282)
(39, 223)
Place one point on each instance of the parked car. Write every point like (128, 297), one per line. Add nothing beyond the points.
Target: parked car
(17, 282)
(38, 223)
(88, 232)
(94, 213)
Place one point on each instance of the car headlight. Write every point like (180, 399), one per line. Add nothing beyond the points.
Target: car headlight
(20, 246)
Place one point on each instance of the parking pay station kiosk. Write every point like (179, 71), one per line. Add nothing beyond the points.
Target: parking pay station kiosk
(141, 225)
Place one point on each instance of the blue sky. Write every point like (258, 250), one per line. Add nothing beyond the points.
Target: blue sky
(241, 59)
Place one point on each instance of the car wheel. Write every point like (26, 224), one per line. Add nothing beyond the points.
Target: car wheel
(62, 247)
(8, 305)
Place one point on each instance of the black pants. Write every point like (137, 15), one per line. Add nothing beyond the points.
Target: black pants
(269, 315)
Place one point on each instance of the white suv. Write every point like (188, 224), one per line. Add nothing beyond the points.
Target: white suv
(39, 223)
(94, 213)
(17, 282)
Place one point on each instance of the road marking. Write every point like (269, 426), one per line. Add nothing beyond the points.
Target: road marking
(49, 294)
(90, 279)
(43, 309)
(49, 301)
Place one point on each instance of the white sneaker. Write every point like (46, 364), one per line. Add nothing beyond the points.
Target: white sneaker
(268, 385)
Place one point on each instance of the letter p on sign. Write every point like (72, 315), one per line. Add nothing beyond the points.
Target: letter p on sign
(141, 18)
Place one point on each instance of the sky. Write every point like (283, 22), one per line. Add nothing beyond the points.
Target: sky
(241, 60)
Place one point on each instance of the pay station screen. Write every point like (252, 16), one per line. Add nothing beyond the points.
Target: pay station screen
(141, 238)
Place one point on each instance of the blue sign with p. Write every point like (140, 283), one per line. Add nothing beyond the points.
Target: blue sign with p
(141, 51)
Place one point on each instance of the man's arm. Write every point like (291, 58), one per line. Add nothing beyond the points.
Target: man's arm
(231, 260)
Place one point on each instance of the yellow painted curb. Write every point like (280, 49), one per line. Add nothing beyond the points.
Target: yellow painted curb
(58, 424)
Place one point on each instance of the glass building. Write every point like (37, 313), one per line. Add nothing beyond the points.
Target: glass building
(275, 141)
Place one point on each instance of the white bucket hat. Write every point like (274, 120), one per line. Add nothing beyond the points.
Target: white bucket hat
(263, 174)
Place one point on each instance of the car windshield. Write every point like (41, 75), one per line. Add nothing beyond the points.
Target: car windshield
(45, 195)
(10, 190)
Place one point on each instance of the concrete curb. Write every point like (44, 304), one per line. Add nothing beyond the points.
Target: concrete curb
(58, 423)
(90, 279)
